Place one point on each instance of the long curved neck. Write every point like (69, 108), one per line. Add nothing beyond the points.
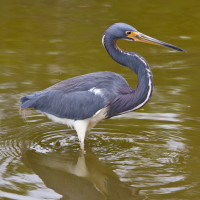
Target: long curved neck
(129, 59)
(136, 63)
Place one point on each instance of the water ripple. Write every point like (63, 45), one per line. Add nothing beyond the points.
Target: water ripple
(173, 117)
(150, 159)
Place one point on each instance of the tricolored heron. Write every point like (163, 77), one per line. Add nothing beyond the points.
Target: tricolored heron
(81, 102)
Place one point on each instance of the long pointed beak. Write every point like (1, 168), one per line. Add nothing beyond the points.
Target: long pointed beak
(140, 37)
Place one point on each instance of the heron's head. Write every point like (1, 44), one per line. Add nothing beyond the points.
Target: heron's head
(127, 32)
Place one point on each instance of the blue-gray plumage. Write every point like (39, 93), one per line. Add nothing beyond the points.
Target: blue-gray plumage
(73, 99)
(83, 101)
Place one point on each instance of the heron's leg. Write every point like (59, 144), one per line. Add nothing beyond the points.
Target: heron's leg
(81, 129)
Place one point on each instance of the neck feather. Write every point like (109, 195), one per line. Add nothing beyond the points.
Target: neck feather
(138, 64)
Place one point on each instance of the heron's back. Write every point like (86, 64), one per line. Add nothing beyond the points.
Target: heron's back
(79, 97)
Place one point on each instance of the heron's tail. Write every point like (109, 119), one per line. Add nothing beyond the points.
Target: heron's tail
(28, 100)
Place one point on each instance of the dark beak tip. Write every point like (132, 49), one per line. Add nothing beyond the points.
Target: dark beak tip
(179, 49)
(174, 47)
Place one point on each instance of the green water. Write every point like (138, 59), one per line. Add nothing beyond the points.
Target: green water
(153, 153)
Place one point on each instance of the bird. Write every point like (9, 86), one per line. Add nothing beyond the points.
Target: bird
(83, 101)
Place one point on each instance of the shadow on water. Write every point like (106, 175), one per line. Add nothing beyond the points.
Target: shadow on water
(78, 176)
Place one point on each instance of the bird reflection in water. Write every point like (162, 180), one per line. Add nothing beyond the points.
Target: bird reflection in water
(78, 176)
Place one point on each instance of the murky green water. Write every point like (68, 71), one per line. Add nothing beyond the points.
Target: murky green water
(149, 154)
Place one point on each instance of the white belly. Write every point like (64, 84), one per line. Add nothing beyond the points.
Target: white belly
(82, 127)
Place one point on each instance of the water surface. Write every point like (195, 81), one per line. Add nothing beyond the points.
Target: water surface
(152, 153)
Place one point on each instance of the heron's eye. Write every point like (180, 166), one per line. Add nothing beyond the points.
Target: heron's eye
(128, 32)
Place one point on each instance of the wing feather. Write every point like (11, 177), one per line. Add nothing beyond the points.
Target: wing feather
(74, 105)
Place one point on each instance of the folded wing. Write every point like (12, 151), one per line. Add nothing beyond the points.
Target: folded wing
(75, 105)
